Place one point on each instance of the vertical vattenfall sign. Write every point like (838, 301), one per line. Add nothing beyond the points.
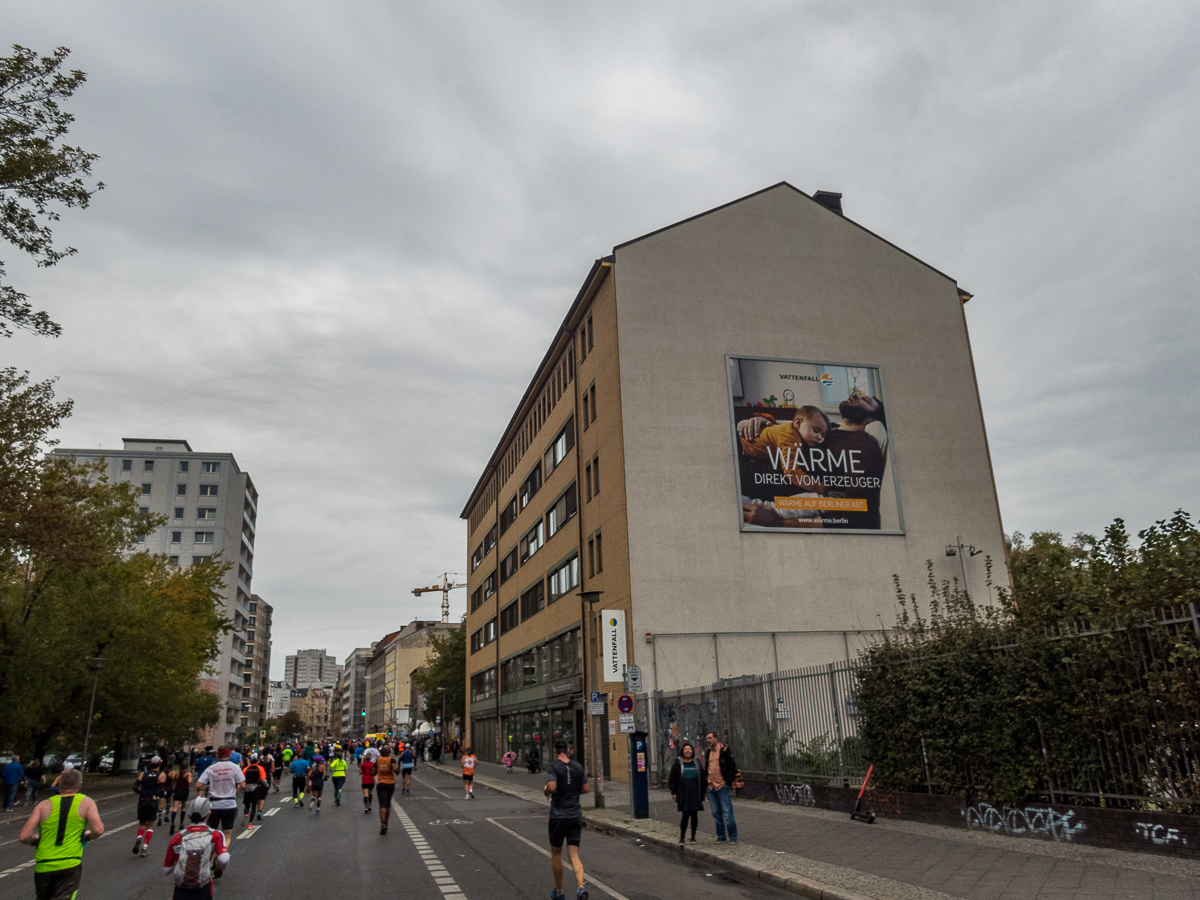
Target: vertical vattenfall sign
(614, 644)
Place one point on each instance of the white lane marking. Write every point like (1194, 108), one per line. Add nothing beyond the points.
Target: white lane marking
(431, 787)
(271, 812)
(109, 831)
(18, 868)
(248, 833)
(542, 850)
(445, 882)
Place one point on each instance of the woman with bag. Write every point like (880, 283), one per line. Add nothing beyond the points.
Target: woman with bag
(687, 785)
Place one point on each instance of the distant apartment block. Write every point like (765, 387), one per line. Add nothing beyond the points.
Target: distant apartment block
(256, 682)
(311, 668)
(211, 507)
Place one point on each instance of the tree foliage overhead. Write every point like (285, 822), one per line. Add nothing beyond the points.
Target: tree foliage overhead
(447, 668)
(72, 589)
(1084, 680)
(38, 172)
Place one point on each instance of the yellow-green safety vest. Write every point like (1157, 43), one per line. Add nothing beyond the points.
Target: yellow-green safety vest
(60, 845)
(337, 768)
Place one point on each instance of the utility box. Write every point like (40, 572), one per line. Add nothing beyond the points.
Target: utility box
(639, 775)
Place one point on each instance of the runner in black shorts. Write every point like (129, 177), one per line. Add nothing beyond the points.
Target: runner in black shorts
(316, 782)
(566, 780)
(147, 787)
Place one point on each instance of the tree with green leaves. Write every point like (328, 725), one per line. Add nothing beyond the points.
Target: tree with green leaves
(446, 668)
(39, 173)
(73, 589)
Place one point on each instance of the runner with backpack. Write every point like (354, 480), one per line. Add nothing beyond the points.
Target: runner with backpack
(196, 855)
(255, 791)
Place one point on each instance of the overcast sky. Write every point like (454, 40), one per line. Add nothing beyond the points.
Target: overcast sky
(335, 231)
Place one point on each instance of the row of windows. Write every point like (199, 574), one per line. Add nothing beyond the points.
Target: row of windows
(562, 579)
(201, 537)
(561, 657)
(589, 406)
(560, 378)
(196, 560)
(206, 490)
(148, 466)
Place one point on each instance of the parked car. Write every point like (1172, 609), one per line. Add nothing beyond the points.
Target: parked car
(144, 761)
(75, 759)
(107, 761)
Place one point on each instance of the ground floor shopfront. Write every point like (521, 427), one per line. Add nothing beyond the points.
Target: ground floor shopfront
(524, 730)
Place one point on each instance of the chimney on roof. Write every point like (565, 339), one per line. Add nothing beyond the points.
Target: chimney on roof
(830, 200)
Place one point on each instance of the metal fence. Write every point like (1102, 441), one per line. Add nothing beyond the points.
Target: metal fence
(797, 724)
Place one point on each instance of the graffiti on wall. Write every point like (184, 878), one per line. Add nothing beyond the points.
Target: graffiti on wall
(1041, 821)
(795, 794)
(1159, 835)
(881, 802)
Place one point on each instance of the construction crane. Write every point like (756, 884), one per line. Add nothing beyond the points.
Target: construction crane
(449, 583)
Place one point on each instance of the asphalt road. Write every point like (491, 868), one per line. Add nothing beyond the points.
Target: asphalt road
(438, 845)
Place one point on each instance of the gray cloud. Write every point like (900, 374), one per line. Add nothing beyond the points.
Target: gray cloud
(335, 232)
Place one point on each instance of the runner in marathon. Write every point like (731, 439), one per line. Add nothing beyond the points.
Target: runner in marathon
(299, 770)
(165, 788)
(468, 764)
(316, 782)
(366, 770)
(147, 786)
(408, 761)
(337, 772)
(255, 790)
(196, 855)
(59, 828)
(566, 781)
(180, 780)
(205, 760)
(372, 752)
(276, 767)
(358, 754)
(287, 754)
(385, 786)
(221, 783)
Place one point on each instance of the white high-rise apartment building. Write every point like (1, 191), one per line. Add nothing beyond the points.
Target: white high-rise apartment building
(211, 507)
(311, 668)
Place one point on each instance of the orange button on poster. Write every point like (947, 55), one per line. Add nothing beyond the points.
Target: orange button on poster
(844, 504)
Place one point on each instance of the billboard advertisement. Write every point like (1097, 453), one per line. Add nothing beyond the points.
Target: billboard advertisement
(812, 447)
(613, 635)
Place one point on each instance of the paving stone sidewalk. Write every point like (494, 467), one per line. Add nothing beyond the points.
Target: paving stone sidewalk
(887, 860)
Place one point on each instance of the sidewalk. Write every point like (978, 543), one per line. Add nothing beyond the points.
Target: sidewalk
(822, 854)
(98, 787)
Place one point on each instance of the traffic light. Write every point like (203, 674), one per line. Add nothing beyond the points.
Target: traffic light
(363, 713)
(389, 732)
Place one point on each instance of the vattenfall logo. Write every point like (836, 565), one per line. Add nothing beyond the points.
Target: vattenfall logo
(613, 622)
(826, 379)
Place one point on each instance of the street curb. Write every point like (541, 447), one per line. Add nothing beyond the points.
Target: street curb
(788, 881)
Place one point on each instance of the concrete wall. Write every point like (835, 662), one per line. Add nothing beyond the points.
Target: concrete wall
(778, 275)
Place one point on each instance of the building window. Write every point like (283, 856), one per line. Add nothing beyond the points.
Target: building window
(509, 618)
(179, 512)
(587, 480)
(477, 641)
(145, 488)
(176, 537)
(533, 601)
(563, 443)
(592, 392)
(206, 513)
(599, 553)
(210, 467)
(508, 515)
(591, 334)
(148, 465)
(596, 474)
(564, 578)
(198, 560)
(586, 418)
(532, 542)
(562, 511)
(183, 465)
(174, 560)
(208, 490)
(483, 685)
(141, 539)
(489, 585)
(477, 599)
(127, 465)
(565, 655)
(250, 637)
(204, 537)
(591, 557)
(489, 540)
(144, 510)
(489, 631)
(477, 558)
(531, 485)
(252, 618)
(508, 566)
(180, 490)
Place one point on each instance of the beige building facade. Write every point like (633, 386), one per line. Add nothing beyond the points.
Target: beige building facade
(257, 686)
(388, 687)
(695, 370)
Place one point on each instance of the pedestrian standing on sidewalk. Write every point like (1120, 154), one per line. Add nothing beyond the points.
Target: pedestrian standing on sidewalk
(34, 773)
(14, 774)
(59, 827)
(566, 780)
(721, 772)
(687, 785)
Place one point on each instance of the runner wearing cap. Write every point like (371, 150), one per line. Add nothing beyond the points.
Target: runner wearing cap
(255, 790)
(337, 772)
(196, 855)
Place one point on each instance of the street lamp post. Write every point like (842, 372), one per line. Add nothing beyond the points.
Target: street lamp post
(442, 731)
(596, 756)
(96, 663)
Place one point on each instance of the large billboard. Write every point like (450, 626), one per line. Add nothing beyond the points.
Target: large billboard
(812, 446)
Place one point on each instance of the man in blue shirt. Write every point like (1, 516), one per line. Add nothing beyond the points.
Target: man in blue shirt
(235, 757)
(299, 770)
(203, 762)
(14, 774)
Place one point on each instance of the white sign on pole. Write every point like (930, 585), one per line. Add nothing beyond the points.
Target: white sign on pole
(596, 709)
(633, 679)
(613, 633)
(625, 720)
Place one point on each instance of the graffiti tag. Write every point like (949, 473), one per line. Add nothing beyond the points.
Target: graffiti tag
(795, 794)
(1159, 835)
(881, 802)
(1036, 820)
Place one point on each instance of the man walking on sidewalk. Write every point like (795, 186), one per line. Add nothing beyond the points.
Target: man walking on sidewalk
(722, 770)
(566, 780)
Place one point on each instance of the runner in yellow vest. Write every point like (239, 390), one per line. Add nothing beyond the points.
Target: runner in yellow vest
(59, 827)
(337, 772)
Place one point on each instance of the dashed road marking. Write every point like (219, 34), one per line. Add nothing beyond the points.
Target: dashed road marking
(617, 895)
(442, 878)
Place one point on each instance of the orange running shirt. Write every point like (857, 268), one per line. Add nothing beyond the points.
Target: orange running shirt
(468, 764)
